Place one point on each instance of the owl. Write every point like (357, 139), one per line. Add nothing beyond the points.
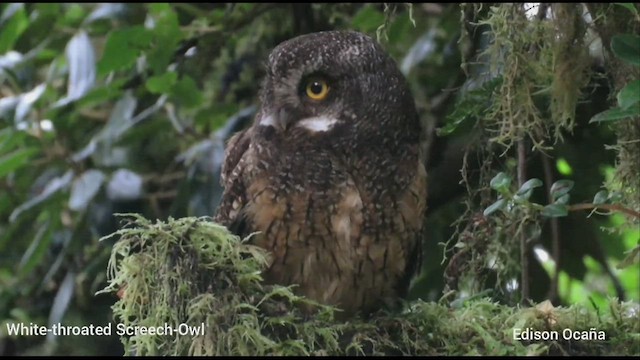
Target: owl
(330, 174)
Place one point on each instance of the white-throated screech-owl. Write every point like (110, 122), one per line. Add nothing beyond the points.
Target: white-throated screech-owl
(331, 174)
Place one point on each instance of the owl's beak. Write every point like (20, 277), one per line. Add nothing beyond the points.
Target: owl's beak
(283, 119)
(280, 120)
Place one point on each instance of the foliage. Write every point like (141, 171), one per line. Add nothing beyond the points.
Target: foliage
(124, 108)
(509, 201)
(627, 48)
(192, 271)
(540, 60)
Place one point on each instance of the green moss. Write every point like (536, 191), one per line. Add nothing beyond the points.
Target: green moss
(193, 271)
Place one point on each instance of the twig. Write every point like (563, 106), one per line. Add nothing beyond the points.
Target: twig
(163, 195)
(555, 231)
(610, 207)
(159, 178)
(522, 177)
(524, 260)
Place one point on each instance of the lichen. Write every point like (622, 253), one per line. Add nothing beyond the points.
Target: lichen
(540, 61)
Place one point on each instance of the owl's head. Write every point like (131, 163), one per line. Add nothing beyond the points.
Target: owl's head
(335, 84)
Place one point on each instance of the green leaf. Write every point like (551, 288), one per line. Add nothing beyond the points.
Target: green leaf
(48, 9)
(52, 187)
(555, 210)
(471, 105)
(628, 6)
(10, 139)
(216, 16)
(186, 92)
(629, 95)
(601, 197)
(563, 200)
(74, 14)
(14, 160)
(63, 298)
(522, 197)
(627, 48)
(161, 83)
(122, 48)
(563, 167)
(27, 100)
(367, 19)
(167, 34)
(14, 27)
(528, 185)
(632, 258)
(617, 114)
(561, 187)
(84, 188)
(400, 29)
(500, 182)
(615, 197)
(102, 94)
(417, 52)
(34, 254)
(216, 119)
(498, 205)
(82, 68)
(450, 127)
(120, 118)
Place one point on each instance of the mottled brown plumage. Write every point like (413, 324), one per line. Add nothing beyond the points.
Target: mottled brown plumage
(333, 180)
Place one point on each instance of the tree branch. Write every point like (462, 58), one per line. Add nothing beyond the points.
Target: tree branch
(610, 207)
(522, 176)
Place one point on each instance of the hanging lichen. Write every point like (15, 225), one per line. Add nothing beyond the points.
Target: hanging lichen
(541, 58)
(517, 55)
(570, 63)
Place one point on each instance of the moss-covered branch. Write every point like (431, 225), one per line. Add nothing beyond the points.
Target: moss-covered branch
(192, 271)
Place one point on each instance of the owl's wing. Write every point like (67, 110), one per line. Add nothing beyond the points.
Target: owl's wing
(415, 197)
(235, 149)
(233, 201)
(414, 265)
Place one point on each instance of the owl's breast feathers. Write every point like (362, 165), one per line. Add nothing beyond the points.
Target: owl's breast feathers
(346, 231)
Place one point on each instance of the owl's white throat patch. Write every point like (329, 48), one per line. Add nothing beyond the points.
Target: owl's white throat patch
(314, 124)
(317, 123)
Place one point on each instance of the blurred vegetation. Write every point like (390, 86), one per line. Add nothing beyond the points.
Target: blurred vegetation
(124, 108)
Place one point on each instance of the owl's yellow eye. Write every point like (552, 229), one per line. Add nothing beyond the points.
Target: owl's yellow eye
(317, 89)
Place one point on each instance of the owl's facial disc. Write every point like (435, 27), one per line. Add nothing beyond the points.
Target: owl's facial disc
(303, 102)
